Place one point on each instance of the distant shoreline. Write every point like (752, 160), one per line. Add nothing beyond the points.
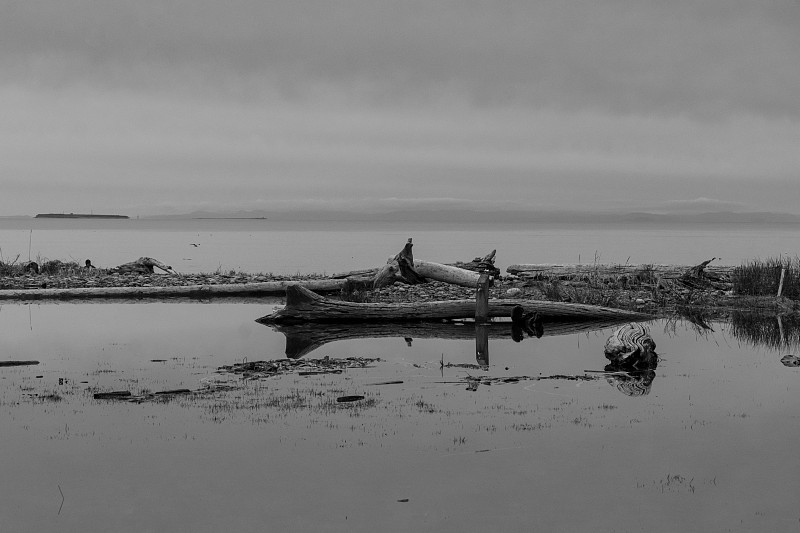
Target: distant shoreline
(77, 215)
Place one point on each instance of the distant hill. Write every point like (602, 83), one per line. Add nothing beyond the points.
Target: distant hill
(508, 217)
(76, 215)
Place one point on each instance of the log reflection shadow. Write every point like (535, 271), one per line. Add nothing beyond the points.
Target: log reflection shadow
(302, 339)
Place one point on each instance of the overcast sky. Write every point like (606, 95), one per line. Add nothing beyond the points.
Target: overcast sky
(170, 106)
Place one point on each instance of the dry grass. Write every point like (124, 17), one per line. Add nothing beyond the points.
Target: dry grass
(762, 278)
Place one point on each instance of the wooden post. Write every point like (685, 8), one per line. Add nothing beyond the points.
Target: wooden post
(780, 284)
(482, 344)
(482, 299)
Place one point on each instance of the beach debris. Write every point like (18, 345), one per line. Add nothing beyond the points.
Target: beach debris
(473, 382)
(114, 395)
(18, 363)
(143, 265)
(790, 360)
(347, 399)
(303, 367)
(176, 391)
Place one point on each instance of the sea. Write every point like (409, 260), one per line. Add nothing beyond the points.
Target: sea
(288, 248)
(443, 434)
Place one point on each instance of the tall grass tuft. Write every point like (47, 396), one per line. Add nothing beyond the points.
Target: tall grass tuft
(762, 278)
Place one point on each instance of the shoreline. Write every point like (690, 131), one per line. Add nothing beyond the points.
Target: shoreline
(655, 290)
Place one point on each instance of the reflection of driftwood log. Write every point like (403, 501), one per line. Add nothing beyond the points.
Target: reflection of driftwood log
(18, 363)
(302, 339)
(402, 268)
(302, 305)
(143, 265)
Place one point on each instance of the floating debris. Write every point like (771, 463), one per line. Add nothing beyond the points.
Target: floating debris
(18, 363)
(115, 395)
(345, 399)
(302, 367)
(473, 382)
(470, 366)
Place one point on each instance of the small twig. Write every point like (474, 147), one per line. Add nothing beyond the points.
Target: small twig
(62, 499)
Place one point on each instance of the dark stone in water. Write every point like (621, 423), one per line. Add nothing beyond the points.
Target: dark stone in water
(790, 360)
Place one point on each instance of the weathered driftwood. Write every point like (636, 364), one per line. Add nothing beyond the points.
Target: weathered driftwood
(402, 268)
(302, 339)
(399, 268)
(143, 265)
(631, 346)
(547, 270)
(303, 305)
(698, 277)
(185, 291)
(481, 264)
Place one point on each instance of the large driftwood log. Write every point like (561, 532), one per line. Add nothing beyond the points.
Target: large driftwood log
(547, 270)
(302, 339)
(303, 305)
(143, 265)
(184, 291)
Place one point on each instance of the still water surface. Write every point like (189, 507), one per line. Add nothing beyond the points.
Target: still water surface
(193, 246)
(711, 447)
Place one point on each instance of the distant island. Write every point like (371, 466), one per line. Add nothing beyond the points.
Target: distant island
(76, 215)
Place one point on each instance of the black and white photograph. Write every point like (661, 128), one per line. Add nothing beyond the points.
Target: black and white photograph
(399, 266)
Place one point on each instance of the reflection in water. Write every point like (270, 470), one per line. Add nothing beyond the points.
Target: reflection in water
(522, 322)
(302, 339)
(636, 383)
(775, 332)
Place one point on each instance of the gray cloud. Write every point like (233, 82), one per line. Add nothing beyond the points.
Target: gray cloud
(602, 104)
(710, 58)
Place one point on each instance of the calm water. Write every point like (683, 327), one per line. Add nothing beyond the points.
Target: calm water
(289, 248)
(712, 447)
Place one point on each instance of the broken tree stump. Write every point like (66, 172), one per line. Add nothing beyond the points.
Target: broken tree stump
(402, 268)
(481, 264)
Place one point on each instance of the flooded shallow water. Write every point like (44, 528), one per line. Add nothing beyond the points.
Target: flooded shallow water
(710, 447)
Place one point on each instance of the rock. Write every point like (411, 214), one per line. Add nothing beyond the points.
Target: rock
(514, 292)
(790, 360)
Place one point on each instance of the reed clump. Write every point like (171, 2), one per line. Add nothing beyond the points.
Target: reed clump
(762, 277)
